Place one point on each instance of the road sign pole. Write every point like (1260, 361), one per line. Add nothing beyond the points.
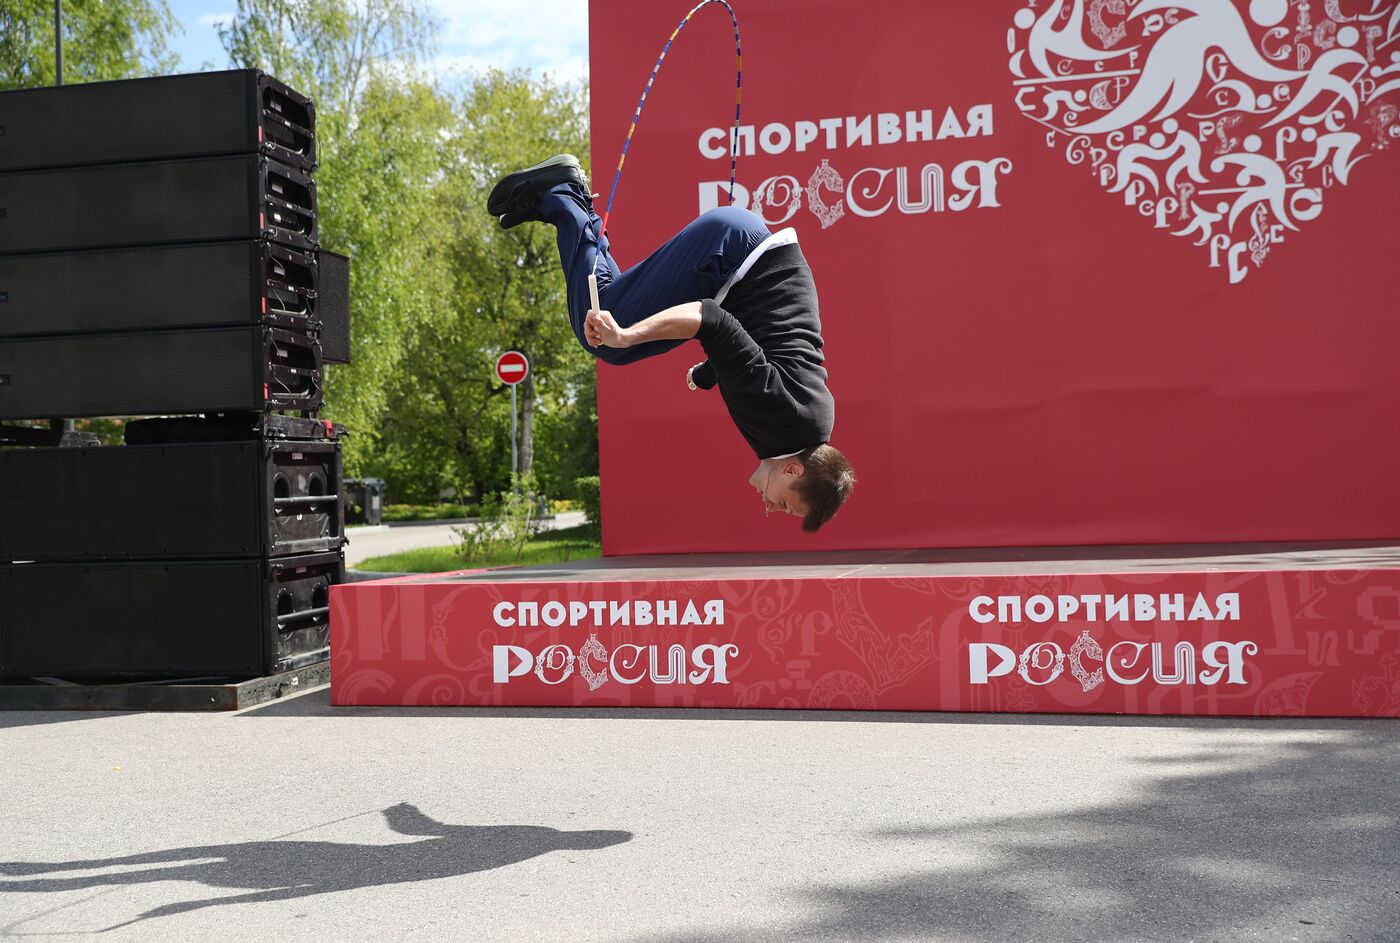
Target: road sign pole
(58, 41)
(512, 367)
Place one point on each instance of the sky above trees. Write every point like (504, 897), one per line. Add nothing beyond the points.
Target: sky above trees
(540, 35)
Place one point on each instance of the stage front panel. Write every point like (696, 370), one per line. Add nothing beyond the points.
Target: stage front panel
(1297, 642)
(1089, 272)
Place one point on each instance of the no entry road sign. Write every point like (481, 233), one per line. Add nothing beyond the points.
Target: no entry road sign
(512, 367)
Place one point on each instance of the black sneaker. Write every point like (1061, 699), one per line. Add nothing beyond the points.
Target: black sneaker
(516, 197)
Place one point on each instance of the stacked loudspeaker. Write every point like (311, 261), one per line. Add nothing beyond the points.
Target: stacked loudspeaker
(159, 256)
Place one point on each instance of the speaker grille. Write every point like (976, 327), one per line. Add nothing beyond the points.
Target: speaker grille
(192, 285)
(215, 370)
(129, 204)
(202, 114)
(135, 501)
(209, 500)
(132, 618)
(154, 619)
(334, 306)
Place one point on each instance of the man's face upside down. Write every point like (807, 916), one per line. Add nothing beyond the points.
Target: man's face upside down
(773, 479)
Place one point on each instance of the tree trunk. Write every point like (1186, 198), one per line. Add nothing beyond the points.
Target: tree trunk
(527, 423)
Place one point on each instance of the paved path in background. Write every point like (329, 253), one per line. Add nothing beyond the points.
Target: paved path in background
(302, 821)
(378, 541)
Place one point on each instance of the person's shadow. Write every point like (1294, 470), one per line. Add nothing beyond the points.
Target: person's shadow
(284, 870)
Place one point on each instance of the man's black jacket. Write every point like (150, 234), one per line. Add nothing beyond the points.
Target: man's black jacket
(765, 352)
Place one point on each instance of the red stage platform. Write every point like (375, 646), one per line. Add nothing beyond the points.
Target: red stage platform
(1243, 629)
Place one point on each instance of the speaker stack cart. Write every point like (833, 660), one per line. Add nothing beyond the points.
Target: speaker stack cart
(160, 257)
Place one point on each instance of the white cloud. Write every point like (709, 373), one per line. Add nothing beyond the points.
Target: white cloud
(215, 19)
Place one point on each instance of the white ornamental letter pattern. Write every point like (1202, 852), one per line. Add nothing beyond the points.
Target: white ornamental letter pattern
(1222, 121)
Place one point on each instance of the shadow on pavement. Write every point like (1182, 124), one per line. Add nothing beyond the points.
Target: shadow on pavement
(1239, 840)
(10, 719)
(284, 870)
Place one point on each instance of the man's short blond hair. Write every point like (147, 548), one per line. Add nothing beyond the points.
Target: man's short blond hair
(824, 486)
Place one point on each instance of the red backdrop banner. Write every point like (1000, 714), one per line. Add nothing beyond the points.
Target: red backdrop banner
(1090, 271)
(1315, 643)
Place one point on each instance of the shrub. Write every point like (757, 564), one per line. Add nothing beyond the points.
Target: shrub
(428, 512)
(507, 522)
(589, 495)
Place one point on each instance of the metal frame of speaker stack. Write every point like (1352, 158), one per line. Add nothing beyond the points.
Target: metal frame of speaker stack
(160, 257)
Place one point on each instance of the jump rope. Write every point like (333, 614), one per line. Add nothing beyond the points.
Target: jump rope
(637, 116)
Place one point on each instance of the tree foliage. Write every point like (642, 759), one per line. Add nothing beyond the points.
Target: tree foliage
(506, 294)
(330, 49)
(102, 39)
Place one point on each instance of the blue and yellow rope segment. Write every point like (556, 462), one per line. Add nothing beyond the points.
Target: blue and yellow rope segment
(738, 101)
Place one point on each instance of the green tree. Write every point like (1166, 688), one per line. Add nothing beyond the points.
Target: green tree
(102, 39)
(330, 49)
(566, 439)
(450, 417)
(379, 206)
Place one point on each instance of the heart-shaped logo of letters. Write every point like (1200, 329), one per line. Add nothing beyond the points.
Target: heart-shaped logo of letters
(1228, 122)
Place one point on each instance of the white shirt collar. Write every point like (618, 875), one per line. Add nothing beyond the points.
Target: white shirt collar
(783, 237)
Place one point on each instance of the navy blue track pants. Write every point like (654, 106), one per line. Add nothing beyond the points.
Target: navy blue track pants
(692, 266)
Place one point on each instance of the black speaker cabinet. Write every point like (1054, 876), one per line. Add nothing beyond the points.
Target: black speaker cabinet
(230, 499)
(333, 305)
(205, 370)
(199, 115)
(201, 200)
(192, 284)
(224, 618)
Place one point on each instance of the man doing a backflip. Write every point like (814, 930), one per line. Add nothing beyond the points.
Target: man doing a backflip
(746, 294)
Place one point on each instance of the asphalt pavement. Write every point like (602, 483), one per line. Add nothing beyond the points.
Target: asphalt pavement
(301, 820)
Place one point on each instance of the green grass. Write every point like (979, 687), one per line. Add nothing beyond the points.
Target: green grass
(553, 546)
(399, 513)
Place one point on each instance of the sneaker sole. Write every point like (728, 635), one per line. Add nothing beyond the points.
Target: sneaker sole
(511, 220)
(505, 192)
